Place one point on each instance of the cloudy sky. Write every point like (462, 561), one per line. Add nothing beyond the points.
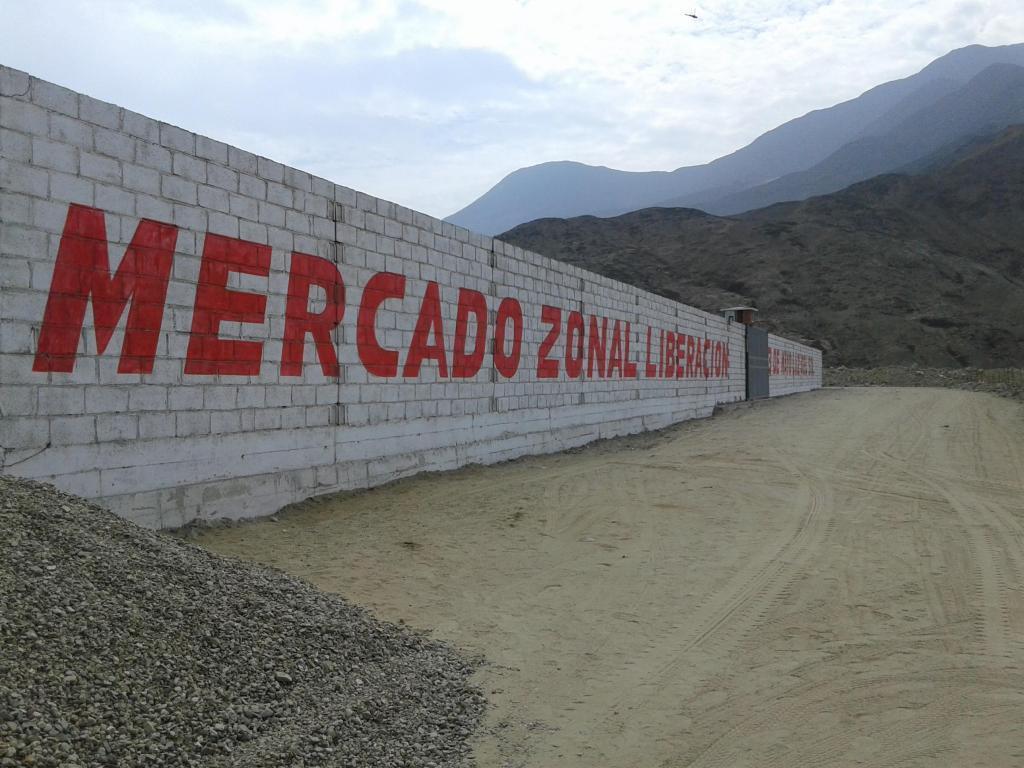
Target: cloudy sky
(430, 102)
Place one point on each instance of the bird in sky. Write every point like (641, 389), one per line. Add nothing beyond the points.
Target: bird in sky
(692, 14)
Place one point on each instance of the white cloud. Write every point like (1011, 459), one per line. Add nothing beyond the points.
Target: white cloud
(431, 102)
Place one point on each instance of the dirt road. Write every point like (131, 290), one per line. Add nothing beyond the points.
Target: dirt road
(833, 579)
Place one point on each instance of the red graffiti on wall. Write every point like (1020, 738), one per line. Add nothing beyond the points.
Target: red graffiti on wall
(584, 346)
(782, 362)
(82, 272)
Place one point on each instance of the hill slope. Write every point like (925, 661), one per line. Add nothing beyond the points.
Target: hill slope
(992, 100)
(897, 269)
(566, 189)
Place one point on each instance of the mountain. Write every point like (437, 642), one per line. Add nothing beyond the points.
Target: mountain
(992, 100)
(898, 269)
(565, 189)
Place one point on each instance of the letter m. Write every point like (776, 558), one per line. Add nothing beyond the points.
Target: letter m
(83, 271)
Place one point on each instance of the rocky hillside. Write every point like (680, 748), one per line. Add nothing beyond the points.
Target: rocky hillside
(990, 102)
(925, 269)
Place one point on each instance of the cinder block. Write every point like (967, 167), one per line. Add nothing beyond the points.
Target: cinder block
(14, 82)
(18, 401)
(60, 401)
(106, 399)
(22, 241)
(141, 127)
(225, 422)
(115, 427)
(267, 418)
(219, 398)
(251, 187)
(70, 131)
(323, 228)
(243, 207)
(153, 156)
(317, 206)
(141, 179)
(73, 430)
(14, 146)
(157, 209)
(392, 229)
(248, 418)
(251, 396)
(156, 425)
(270, 214)
(173, 137)
(318, 416)
(212, 150)
(222, 178)
(223, 224)
(280, 195)
(17, 369)
(192, 423)
(293, 417)
(269, 170)
(185, 398)
(298, 179)
(188, 167)
(30, 432)
(100, 168)
(278, 395)
(71, 189)
(179, 189)
(54, 155)
(17, 177)
(212, 197)
(99, 112)
(22, 116)
(115, 200)
(374, 223)
(297, 222)
(242, 161)
(14, 272)
(190, 217)
(147, 397)
(252, 232)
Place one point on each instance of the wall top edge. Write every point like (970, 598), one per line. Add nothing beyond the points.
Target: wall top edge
(22, 86)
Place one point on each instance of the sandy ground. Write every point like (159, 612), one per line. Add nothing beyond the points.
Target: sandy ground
(832, 579)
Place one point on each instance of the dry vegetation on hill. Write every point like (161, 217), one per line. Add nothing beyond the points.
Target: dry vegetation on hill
(900, 269)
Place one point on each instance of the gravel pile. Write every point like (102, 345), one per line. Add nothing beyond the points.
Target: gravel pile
(1008, 382)
(123, 647)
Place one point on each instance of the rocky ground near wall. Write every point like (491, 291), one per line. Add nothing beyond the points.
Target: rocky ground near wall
(123, 647)
(1008, 382)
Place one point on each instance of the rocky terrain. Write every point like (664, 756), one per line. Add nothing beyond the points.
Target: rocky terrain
(1008, 382)
(123, 647)
(899, 269)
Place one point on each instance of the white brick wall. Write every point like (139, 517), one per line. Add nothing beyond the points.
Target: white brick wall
(792, 367)
(167, 446)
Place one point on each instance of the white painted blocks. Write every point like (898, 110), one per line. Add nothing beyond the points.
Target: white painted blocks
(792, 367)
(190, 330)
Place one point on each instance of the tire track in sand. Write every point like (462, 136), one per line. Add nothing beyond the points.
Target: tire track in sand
(726, 617)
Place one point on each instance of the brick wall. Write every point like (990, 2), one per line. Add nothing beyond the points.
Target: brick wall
(190, 331)
(792, 367)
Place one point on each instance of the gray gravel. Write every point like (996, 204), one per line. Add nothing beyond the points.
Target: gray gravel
(123, 647)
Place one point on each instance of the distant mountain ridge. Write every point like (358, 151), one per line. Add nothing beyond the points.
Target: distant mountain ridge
(992, 100)
(898, 269)
(567, 189)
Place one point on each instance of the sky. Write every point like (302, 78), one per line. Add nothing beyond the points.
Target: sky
(429, 103)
